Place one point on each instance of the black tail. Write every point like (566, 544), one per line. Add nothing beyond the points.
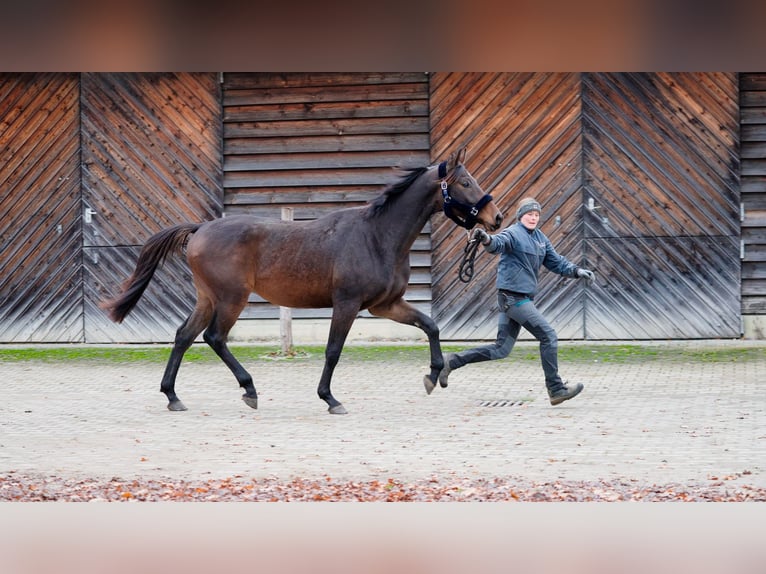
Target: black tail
(153, 254)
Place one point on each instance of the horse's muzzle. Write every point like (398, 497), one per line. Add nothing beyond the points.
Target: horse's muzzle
(498, 222)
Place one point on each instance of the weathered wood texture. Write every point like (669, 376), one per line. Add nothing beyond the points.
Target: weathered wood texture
(662, 169)
(40, 229)
(657, 156)
(523, 136)
(151, 157)
(753, 154)
(318, 142)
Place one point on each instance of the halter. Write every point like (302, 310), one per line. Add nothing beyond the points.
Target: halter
(468, 218)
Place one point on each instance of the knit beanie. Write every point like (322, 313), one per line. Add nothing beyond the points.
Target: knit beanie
(526, 205)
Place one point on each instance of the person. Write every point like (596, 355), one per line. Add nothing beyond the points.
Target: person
(523, 249)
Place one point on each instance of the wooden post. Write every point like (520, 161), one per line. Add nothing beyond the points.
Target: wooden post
(285, 313)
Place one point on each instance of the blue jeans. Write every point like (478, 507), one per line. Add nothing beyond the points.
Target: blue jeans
(515, 312)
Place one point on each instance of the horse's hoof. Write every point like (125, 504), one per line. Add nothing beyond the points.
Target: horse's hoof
(176, 406)
(428, 384)
(337, 410)
(251, 402)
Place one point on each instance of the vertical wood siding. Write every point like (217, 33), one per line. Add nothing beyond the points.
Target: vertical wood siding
(151, 156)
(40, 231)
(753, 153)
(318, 142)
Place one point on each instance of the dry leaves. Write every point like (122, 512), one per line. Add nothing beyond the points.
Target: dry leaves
(14, 487)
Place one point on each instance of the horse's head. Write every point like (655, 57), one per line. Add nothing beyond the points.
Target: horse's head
(464, 201)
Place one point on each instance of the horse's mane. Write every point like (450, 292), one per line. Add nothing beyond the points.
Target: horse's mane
(381, 203)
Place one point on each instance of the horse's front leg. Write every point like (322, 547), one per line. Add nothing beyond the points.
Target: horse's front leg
(343, 316)
(402, 312)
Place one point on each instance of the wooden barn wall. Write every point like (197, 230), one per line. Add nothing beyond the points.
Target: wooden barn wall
(151, 149)
(662, 170)
(318, 142)
(93, 165)
(524, 138)
(638, 178)
(40, 230)
(753, 153)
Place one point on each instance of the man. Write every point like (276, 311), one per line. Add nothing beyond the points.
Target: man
(523, 249)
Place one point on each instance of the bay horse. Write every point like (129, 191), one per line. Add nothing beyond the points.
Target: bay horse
(352, 259)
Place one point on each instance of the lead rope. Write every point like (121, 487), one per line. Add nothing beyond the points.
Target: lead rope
(465, 272)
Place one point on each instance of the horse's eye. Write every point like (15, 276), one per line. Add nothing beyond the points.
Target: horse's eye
(465, 183)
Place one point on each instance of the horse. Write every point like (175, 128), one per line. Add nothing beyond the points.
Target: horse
(352, 259)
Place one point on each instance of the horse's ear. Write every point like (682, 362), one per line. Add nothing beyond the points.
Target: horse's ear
(455, 158)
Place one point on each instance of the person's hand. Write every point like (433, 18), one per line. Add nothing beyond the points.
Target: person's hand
(586, 274)
(481, 235)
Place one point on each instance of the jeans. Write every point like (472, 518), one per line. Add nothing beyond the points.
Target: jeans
(514, 313)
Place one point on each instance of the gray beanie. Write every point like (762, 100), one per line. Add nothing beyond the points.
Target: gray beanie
(526, 205)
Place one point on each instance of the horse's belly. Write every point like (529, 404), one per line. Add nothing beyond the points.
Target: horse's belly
(292, 296)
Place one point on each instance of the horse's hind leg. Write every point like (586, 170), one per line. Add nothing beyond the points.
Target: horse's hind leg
(216, 335)
(185, 336)
(402, 312)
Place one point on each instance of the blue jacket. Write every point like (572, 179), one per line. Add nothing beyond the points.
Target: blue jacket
(522, 253)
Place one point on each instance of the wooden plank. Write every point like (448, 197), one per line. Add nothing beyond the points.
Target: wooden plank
(299, 161)
(752, 115)
(326, 110)
(321, 144)
(311, 95)
(313, 128)
(238, 81)
(753, 81)
(307, 177)
(754, 305)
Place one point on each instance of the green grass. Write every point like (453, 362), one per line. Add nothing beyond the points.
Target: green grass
(582, 353)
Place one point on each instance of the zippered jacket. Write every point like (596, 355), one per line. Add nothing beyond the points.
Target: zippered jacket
(522, 253)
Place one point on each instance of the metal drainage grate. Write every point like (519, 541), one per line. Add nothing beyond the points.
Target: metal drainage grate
(502, 403)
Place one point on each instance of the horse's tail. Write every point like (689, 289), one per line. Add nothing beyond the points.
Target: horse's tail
(153, 254)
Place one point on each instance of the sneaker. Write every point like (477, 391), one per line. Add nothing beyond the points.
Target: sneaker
(446, 370)
(565, 393)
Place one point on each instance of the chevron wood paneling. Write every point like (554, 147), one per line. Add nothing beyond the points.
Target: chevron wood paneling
(662, 171)
(638, 175)
(151, 158)
(40, 231)
(523, 136)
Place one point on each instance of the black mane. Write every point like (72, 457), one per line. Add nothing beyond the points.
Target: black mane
(393, 191)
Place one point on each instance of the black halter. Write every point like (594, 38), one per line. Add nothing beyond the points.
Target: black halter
(469, 213)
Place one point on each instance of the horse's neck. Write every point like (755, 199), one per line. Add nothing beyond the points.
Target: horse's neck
(402, 224)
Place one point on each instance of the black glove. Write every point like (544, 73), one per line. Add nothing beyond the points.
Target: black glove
(586, 274)
(481, 235)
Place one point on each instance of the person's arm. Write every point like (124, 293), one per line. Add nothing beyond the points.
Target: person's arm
(561, 265)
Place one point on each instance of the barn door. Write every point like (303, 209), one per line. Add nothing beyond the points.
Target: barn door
(150, 159)
(638, 178)
(661, 205)
(40, 234)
